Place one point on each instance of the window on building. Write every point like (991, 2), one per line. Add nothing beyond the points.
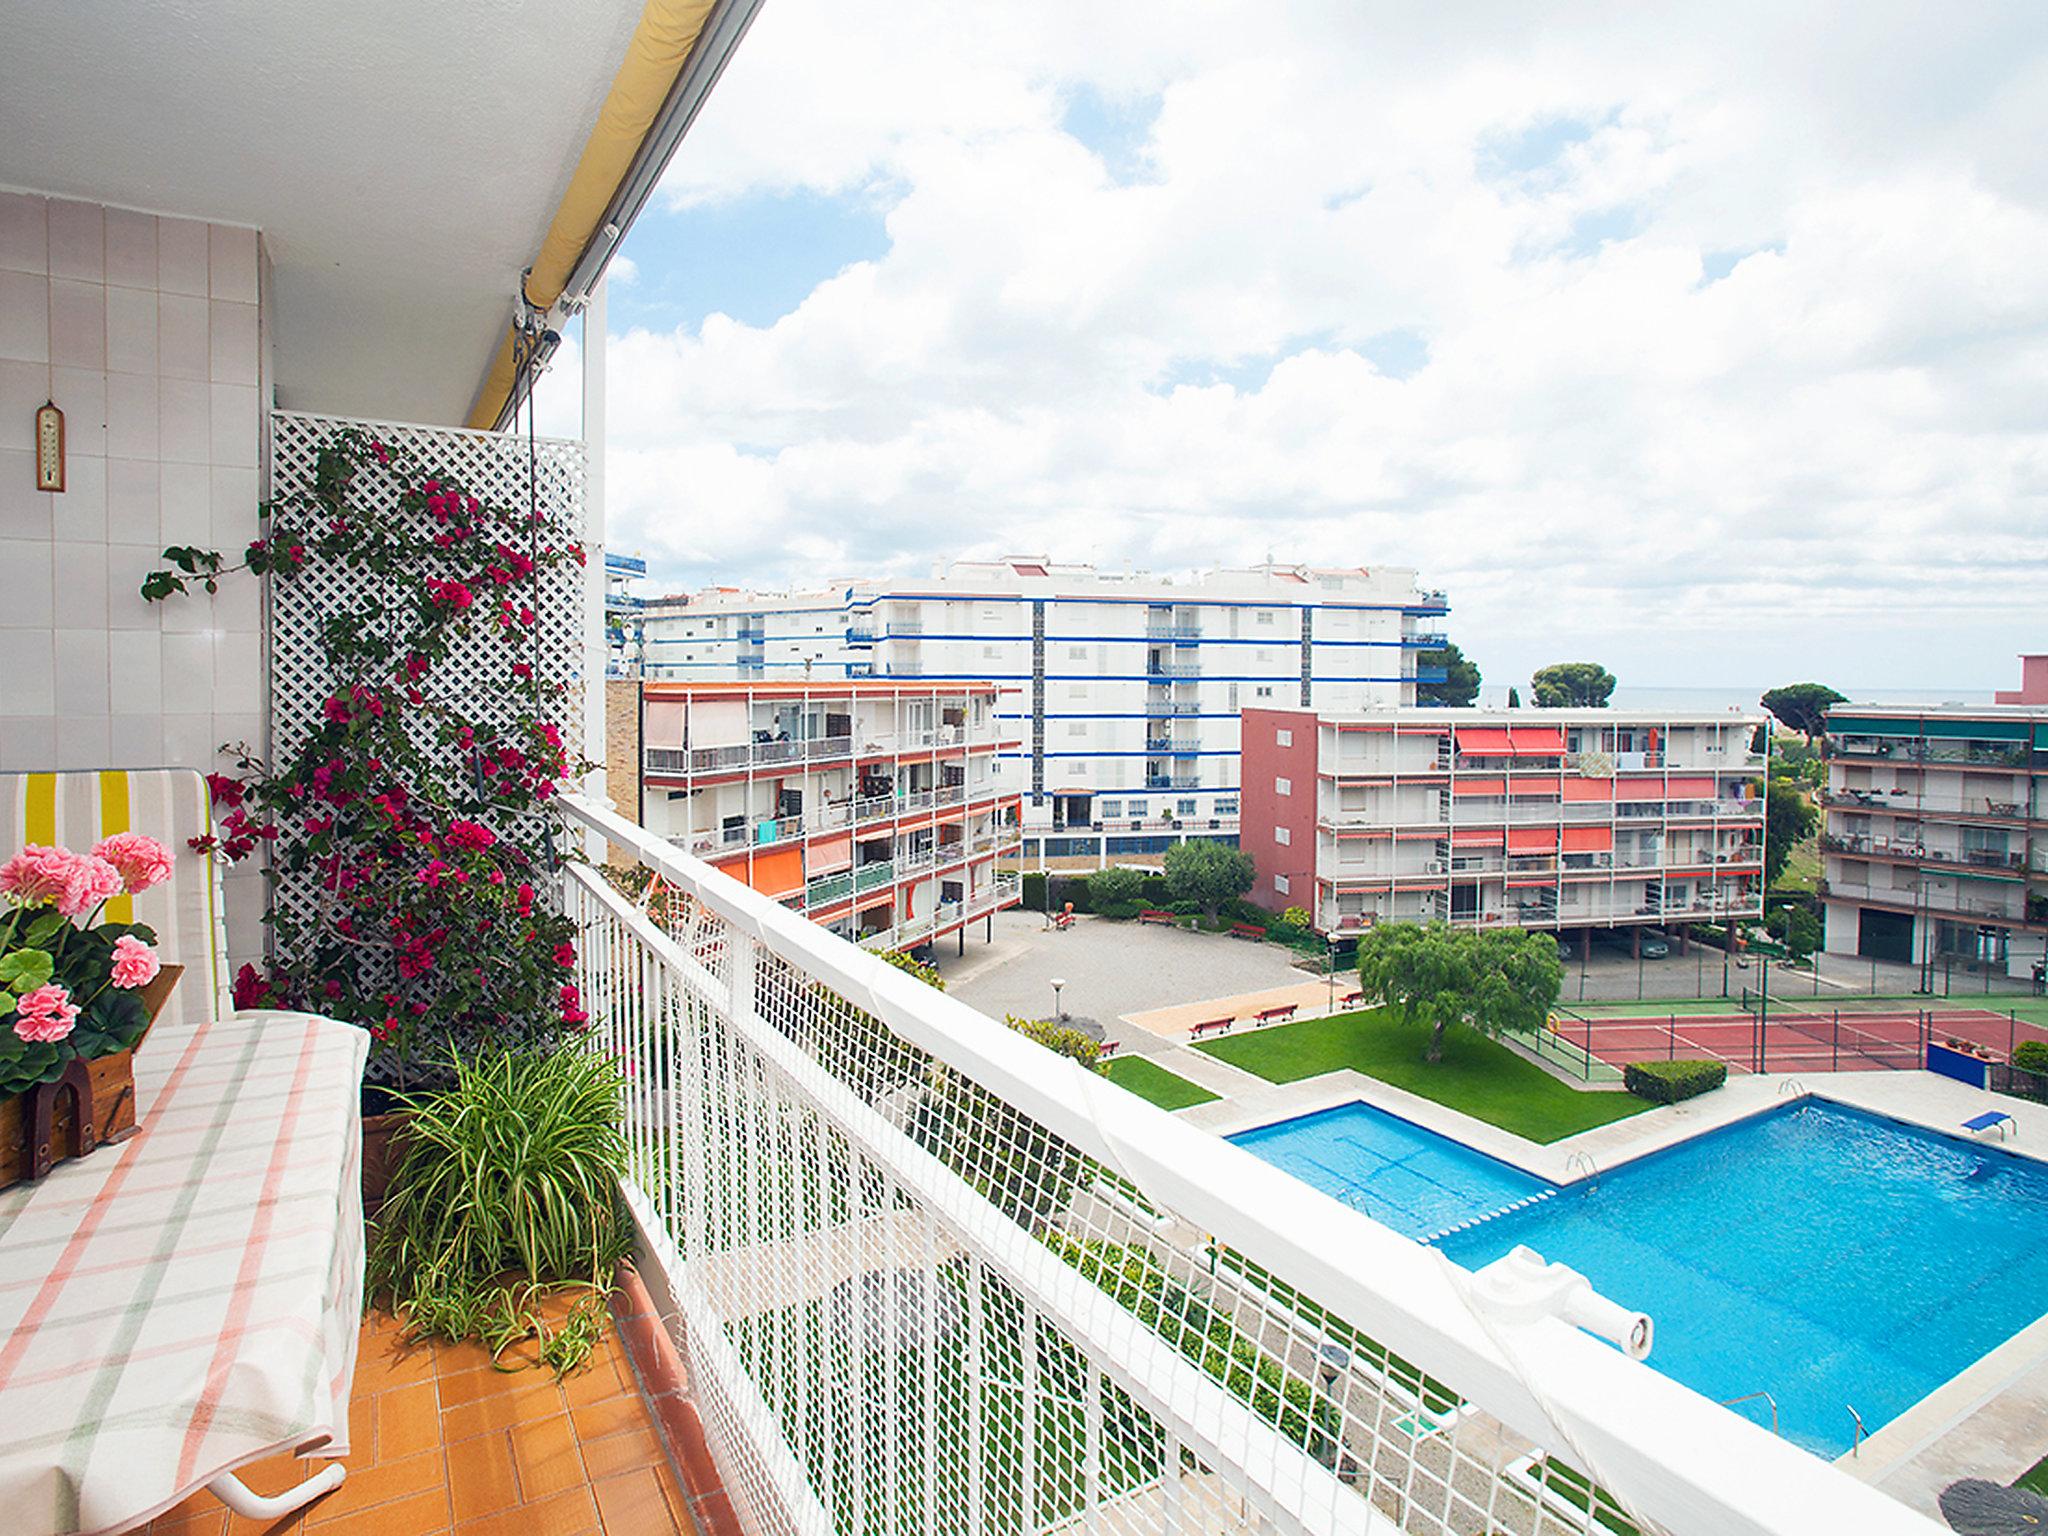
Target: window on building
(1283, 738)
(1077, 728)
(1280, 884)
(1112, 809)
(1077, 653)
(989, 653)
(1226, 805)
(1186, 808)
(1262, 693)
(1283, 786)
(1283, 837)
(1263, 616)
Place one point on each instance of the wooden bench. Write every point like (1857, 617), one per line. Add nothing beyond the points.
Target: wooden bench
(1105, 1050)
(1247, 931)
(1220, 1026)
(1155, 915)
(1352, 999)
(1276, 1015)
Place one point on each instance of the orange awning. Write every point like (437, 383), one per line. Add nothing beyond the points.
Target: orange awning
(1531, 839)
(1536, 741)
(1479, 786)
(1589, 789)
(1690, 789)
(1477, 837)
(774, 873)
(1588, 839)
(1486, 740)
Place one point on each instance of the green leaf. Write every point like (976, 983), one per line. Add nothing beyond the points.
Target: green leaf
(26, 969)
(44, 928)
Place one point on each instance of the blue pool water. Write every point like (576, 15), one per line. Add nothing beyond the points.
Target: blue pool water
(1829, 1257)
(1407, 1178)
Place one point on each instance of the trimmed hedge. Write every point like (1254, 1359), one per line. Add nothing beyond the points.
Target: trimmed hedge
(1667, 1082)
(1122, 911)
(2031, 1055)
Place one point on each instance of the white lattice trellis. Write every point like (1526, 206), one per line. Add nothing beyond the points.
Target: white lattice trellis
(499, 469)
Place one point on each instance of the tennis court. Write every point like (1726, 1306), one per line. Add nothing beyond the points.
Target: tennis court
(1776, 1037)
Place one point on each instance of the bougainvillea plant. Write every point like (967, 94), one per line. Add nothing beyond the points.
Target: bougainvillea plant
(415, 805)
(70, 984)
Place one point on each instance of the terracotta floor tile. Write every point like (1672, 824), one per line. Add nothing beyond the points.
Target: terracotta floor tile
(423, 1514)
(634, 1505)
(481, 1476)
(385, 1360)
(611, 1417)
(637, 1447)
(536, 1398)
(200, 1515)
(605, 1376)
(567, 1514)
(466, 1386)
(548, 1458)
(380, 1482)
(408, 1420)
(453, 1359)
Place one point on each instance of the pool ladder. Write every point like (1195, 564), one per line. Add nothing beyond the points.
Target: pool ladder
(1750, 1397)
(1791, 1085)
(1856, 1445)
(1584, 1160)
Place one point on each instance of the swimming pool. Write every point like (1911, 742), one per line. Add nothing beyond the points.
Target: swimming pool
(1413, 1180)
(1832, 1258)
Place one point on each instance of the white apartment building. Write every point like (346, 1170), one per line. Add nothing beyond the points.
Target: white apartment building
(1574, 820)
(1931, 849)
(1124, 689)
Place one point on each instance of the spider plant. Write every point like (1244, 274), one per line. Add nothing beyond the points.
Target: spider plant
(507, 1189)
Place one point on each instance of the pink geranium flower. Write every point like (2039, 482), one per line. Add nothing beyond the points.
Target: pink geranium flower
(45, 1015)
(135, 963)
(37, 875)
(92, 881)
(141, 859)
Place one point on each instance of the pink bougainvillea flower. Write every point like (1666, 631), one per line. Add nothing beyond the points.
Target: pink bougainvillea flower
(565, 953)
(37, 875)
(225, 791)
(135, 963)
(93, 881)
(251, 990)
(45, 1015)
(469, 835)
(141, 859)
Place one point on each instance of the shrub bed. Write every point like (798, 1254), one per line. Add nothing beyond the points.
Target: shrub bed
(1667, 1082)
(2031, 1055)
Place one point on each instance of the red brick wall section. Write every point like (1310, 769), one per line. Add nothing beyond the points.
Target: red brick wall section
(1263, 809)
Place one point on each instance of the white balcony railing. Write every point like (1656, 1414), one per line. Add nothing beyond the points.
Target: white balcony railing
(931, 1278)
(669, 761)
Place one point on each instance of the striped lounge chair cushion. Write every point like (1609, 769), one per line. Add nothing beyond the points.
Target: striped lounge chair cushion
(76, 810)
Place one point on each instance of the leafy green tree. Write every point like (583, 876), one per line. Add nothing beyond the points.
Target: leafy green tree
(1208, 873)
(1581, 684)
(1461, 677)
(910, 965)
(1514, 698)
(1112, 886)
(1507, 979)
(1789, 819)
(1803, 707)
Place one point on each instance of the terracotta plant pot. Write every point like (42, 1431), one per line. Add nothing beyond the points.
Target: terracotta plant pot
(382, 1148)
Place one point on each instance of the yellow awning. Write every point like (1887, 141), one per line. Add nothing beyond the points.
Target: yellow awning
(655, 56)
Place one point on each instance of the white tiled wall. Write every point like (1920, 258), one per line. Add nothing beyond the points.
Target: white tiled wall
(147, 332)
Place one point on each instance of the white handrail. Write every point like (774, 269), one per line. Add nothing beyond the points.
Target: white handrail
(1668, 1453)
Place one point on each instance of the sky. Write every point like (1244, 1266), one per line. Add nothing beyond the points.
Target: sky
(1710, 343)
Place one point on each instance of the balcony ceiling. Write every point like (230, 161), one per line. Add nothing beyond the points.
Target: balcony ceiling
(403, 160)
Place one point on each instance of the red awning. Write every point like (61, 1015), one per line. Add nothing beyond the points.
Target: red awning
(1486, 740)
(1479, 786)
(1536, 741)
(1690, 789)
(1588, 839)
(1589, 789)
(1531, 839)
(1639, 789)
(1532, 885)
(1477, 837)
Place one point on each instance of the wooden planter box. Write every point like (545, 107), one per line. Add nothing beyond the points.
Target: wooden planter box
(112, 1081)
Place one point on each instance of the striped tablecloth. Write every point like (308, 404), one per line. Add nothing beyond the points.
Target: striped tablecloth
(188, 1301)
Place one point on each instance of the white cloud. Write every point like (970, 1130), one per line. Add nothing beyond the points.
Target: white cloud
(1831, 460)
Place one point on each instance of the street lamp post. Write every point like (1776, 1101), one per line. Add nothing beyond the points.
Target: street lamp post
(1058, 1012)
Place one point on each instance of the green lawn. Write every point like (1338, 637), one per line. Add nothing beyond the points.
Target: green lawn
(2035, 1478)
(1479, 1076)
(1157, 1084)
(1802, 868)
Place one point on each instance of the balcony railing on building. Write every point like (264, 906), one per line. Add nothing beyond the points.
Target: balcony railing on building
(673, 761)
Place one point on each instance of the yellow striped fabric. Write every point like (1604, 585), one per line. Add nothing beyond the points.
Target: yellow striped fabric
(76, 810)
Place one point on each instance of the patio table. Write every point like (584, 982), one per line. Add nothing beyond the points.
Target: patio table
(187, 1302)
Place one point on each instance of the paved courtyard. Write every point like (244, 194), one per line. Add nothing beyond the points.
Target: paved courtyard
(1111, 969)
